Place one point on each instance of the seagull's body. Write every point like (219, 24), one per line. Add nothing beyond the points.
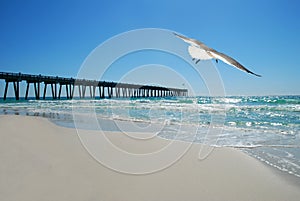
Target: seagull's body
(199, 51)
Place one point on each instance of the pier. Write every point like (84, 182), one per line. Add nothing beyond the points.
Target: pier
(106, 89)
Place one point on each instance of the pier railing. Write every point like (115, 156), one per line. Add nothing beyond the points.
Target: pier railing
(106, 89)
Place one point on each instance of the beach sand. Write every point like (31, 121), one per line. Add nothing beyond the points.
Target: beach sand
(42, 161)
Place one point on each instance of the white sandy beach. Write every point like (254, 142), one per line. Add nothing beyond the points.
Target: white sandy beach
(42, 161)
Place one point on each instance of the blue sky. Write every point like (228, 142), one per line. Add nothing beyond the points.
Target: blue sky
(55, 37)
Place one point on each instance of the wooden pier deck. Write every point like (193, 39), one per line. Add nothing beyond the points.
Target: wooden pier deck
(106, 89)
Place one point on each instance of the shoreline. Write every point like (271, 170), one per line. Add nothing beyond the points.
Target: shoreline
(66, 123)
(53, 164)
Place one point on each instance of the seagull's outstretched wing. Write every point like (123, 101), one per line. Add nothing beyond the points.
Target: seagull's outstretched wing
(194, 42)
(230, 61)
(218, 55)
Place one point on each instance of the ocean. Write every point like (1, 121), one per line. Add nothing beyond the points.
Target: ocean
(265, 127)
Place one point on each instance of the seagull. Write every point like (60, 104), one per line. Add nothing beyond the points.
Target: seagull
(199, 51)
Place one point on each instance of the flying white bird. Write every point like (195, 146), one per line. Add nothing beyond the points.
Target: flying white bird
(200, 51)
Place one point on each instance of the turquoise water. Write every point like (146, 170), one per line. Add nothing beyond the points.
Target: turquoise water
(265, 127)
